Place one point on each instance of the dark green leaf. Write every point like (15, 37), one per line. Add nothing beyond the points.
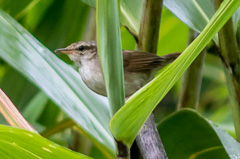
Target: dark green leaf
(186, 134)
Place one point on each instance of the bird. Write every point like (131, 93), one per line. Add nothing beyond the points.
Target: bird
(139, 67)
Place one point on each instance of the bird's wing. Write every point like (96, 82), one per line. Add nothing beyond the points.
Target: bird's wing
(143, 61)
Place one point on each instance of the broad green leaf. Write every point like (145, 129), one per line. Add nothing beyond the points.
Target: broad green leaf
(131, 14)
(142, 103)
(59, 81)
(196, 13)
(186, 134)
(230, 144)
(110, 51)
(19, 144)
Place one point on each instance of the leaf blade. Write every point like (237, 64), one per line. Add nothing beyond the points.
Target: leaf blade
(110, 51)
(140, 105)
(25, 144)
(187, 127)
(58, 80)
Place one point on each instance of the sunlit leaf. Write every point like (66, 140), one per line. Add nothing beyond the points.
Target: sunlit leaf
(142, 103)
(29, 145)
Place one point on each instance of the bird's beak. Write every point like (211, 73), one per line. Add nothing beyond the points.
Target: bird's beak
(63, 50)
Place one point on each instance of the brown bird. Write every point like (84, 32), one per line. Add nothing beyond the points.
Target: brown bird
(139, 67)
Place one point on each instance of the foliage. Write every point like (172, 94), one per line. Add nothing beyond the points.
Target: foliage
(48, 92)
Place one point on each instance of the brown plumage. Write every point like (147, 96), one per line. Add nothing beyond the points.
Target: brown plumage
(135, 61)
(139, 67)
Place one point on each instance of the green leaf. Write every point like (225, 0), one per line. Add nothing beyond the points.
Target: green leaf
(59, 81)
(230, 144)
(29, 145)
(130, 13)
(196, 13)
(110, 51)
(142, 103)
(186, 134)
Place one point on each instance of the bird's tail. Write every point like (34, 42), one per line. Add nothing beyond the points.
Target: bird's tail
(171, 57)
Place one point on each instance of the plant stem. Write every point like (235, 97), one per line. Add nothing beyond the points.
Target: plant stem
(230, 57)
(150, 26)
(191, 81)
(148, 139)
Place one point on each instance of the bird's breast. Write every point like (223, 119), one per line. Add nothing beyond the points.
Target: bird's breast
(91, 74)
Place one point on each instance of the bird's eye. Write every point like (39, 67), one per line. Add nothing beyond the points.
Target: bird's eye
(81, 48)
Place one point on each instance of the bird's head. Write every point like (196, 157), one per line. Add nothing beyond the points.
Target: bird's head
(80, 51)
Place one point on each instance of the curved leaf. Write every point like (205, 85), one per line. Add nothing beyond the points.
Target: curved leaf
(196, 13)
(29, 145)
(142, 103)
(131, 14)
(58, 80)
(186, 134)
